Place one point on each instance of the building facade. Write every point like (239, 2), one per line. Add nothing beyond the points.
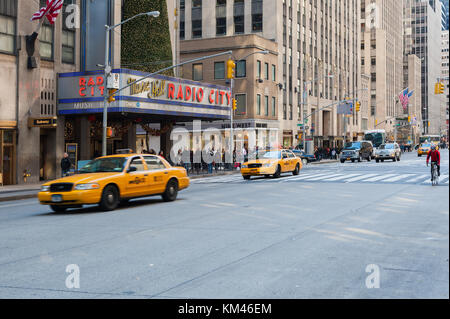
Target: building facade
(445, 79)
(316, 51)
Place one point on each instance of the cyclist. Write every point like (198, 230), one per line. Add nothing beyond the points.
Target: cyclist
(435, 158)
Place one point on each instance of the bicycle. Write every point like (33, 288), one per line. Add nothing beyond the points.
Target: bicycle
(434, 174)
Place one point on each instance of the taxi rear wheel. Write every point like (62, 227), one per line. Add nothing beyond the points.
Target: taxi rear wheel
(58, 209)
(171, 191)
(296, 170)
(246, 176)
(110, 198)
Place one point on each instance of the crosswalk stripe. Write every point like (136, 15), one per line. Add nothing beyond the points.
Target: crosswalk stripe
(397, 178)
(293, 178)
(302, 177)
(378, 178)
(360, 178)
(418, 178)
(322, 177)
(339, 178)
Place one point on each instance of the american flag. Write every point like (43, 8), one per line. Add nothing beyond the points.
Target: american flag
(404, 97)
(51, 11)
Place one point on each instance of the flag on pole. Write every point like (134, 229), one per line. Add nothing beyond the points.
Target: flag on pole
(404, 97)
(51, 11)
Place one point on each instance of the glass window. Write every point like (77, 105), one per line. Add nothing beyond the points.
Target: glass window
(241, 104)
(196, 18)
(274, 73)
(258, 69)
(266, 105)
(102, 165)
(257, 15)
(266, 71)
(219, 70)
(258, 104)
(221, 17)
(274, 106)
(46, 42)
(68, 46)
(197, 72)
(154, 163)
(241, 69)
(7, 33)
(138, 164)
(239, 16)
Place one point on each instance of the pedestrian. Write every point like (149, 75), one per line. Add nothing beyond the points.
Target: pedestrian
(161, 153)
(66, 164)
(333, 154)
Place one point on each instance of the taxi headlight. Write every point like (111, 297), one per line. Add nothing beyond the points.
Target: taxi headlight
(45, 188)
(392, 154)
(268, 165)
(82, 187)
(244, 166)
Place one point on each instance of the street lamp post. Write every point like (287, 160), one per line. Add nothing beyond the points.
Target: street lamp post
(154, 14)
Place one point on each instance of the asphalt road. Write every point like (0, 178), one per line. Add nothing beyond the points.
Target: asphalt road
(312, 236)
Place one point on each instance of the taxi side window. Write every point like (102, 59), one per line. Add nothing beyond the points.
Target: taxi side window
(285, 155)
(138, 164)
(154, 163)
(291, 155)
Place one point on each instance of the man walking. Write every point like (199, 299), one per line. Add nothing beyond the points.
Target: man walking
(65, 165)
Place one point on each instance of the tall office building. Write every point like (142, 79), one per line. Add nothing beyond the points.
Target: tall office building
(445, 14)
(313, 45)
(424, 40)
(382, 56)
(445, 80)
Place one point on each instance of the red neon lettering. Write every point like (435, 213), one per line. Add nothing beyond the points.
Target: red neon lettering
(99, 80)
(222, 93)
(81, 92)
(91, 82)
(217, 97)
(193, 94)
(92, 91)
(171, 91)
(211, 100)
(229, 98)
(102, 89)
(82, 82)
(188, 93)
(180, 93)
(200, 94)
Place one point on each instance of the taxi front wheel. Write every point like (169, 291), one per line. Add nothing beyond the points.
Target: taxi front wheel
(171, 191)
(296, 170)
(277, 172)
(58, 209)
(110, 198)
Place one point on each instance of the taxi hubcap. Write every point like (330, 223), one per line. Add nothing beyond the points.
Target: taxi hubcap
(110, 198)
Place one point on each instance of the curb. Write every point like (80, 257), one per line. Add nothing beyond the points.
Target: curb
(321, 163)
(17, 197)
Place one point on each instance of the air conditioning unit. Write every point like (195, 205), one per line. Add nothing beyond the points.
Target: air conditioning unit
(260, 81)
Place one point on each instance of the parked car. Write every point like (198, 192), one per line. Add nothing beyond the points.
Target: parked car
(357, 151)
(388, 151)
(306, 158)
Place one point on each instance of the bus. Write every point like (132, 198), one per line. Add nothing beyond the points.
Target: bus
(435, 139)
(377, 137)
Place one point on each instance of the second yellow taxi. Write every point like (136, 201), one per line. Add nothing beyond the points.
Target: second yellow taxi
(115, 179)
(273, 162)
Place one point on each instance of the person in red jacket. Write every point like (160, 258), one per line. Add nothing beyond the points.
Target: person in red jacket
(435, 158)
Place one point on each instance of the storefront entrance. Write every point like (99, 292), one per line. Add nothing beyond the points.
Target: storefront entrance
(8, 157)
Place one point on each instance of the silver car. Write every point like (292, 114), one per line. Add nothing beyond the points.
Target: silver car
(388, 151)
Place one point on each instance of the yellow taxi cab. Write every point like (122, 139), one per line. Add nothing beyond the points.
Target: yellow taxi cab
(423, 149)
(272, 162)
(115, 179)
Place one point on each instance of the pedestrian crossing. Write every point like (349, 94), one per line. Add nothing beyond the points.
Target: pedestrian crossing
(330, 177)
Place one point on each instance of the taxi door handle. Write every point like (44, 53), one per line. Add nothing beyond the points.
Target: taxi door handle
(166, 173)
(146, 175)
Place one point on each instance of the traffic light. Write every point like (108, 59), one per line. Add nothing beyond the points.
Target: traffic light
(409, 119)
(358, 106)
(230, 69)
(109, 132)
(111, 97)
(234, 104)
(439, 88)
(428, 123)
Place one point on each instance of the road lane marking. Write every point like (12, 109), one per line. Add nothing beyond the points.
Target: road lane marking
(309, 176)
(397, 178)
(354, 179)
(378, 178)
(323, 177)
(418, 178)
(341, 177)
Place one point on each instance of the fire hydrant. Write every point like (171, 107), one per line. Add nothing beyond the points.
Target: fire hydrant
(26, 174)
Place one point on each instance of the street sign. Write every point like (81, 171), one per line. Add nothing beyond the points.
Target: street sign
(113, 81)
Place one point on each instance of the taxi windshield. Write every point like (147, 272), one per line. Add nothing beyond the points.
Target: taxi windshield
(104, 165)
(269, 155)
(387, 147)
(426, 145)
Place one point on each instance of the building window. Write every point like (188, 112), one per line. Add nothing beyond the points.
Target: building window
(274, 73)
(266, 105)
(7, 25)
(258, 104)
(284, 112)
(290, 112)
(241, 104)
(241, 69)
(221, 17)
(239, 16)
(46, 42)
(257, 15)
(196, 18)
(274, 106)
(182, 17)
(266, 71)
(67, 37)
(219, 70)
(197, 72)
(258, 69)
